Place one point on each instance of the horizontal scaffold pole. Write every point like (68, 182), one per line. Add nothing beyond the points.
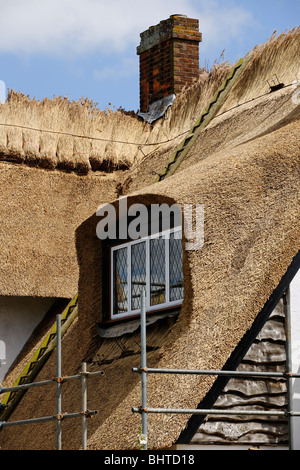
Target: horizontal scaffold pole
(48, 382)
(4, 424)
(214, 412)
(228, 373)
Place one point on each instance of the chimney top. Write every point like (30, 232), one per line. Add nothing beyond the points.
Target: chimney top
(169, 58)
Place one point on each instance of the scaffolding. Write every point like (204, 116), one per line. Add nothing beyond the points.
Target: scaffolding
(144, 410)
(84, 414)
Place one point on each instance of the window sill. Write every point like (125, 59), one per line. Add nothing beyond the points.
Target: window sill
(116, 328)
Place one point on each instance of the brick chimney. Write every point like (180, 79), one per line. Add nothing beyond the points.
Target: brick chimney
(169, 58)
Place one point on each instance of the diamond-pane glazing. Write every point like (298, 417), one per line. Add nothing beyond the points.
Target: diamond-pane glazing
(120, 281)
(138, 273)
(157, 271)
(175, 274)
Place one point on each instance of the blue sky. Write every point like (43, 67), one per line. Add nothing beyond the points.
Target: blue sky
(87, 48)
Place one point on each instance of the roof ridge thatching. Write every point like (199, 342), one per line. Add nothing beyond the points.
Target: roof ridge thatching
(275, 60)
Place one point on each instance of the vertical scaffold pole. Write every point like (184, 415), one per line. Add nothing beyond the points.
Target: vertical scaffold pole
(143, 368)
(58, 385)
(287, 313)
(84, 405)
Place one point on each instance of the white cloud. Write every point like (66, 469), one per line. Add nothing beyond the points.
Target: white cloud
(73, 27)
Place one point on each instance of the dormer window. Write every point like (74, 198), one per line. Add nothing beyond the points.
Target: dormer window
(153, 263)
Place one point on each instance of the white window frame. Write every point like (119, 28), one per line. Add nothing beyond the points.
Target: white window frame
(149, 308)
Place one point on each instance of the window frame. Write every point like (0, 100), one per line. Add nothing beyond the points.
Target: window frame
(168, 304)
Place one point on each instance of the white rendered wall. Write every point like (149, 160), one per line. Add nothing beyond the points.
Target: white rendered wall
(19, 316)
(295, 337)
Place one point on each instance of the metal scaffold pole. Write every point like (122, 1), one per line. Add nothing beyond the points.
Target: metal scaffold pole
(289, 374)
(144, 373)
(84, 405)
(58, 385)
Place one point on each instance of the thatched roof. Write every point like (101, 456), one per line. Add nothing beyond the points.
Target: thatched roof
(249, 185)
(59, 160)
(250, 110)
(77, 136)
(251, 197)
(40, 211)
(59, 134)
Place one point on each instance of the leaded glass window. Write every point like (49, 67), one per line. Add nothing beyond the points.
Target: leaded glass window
(157, 271)
(175, 267)
(120, 281)
(138, 273)
(153, 263)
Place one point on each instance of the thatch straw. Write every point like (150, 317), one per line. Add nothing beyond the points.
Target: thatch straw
(44, 209)
(251, 198)
(48, 133)
(252, 211)
(77, 136)
(250, 110)
(276, 60)
(40, 211)
(250, 192)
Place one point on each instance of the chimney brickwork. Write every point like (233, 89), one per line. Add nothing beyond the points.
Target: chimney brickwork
(169, 58)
